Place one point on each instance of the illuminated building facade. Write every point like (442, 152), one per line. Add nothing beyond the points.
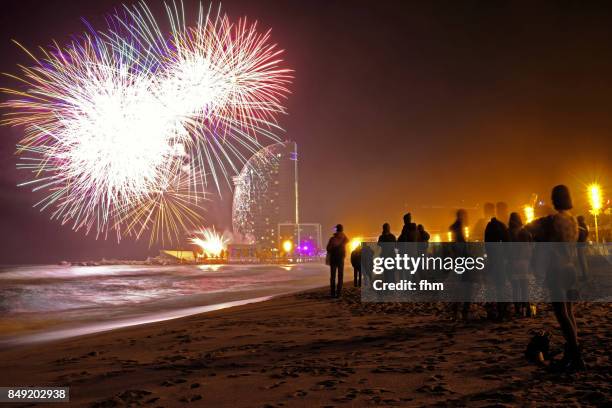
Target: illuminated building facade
(266, 195)
(305, 238)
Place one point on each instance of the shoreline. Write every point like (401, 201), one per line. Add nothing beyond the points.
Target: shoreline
(306, 349)
(95, 328)
(42, 303)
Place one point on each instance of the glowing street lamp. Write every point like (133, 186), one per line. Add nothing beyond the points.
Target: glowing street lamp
(287, 246)
(355, 242)
(595, 199)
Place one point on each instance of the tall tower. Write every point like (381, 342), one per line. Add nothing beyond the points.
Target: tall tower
(266, 194)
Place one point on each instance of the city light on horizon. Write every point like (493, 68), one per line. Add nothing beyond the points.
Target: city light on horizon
(355, 242)
(287, 246)
(595, 201)
(529, 213)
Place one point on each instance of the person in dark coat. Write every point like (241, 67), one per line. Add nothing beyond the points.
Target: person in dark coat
(386, 235)
(423, 239)
(386, 241)
(356, 262)
(367, 262)
(518, 264)
(336, 249)
(408, 235)
(459, 248)
(583, 236)
(496, 232)
(409, 230)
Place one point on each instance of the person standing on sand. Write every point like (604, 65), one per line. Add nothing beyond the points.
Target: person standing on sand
(457, 229)
(561, 277)
(583, 236)
(356, 262)
(409, 234)
(518, 264)
(409, 230)
(336, 250)
(496, 232)
(422, 239)
(386, 236)
(386, 242)
(468, 280)
(560, 274)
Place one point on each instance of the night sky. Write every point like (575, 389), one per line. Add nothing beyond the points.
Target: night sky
(395, 106)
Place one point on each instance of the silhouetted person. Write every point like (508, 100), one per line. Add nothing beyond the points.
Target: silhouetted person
(518, 264)
(367, 261)
(386, 235)
(387, 241)
(422, 239)
(409, 230)
(563, 227)
(496, 232)
(583, 236)
(408, 235)
(488, 210)
(356, 262)
(457, 229)
(460, 249)
(336, 248)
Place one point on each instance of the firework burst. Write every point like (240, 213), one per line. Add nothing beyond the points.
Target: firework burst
(210, 241)
(125, 128)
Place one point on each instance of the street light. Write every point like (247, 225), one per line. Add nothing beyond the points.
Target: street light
(287, 246)
(594, 192)
(355, 242)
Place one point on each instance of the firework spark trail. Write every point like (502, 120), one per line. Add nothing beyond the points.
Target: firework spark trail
(225, 79)
(124, 127)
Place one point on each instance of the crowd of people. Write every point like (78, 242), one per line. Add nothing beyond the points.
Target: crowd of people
(561, 226)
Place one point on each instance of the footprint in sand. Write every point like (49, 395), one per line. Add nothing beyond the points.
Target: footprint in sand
(299, 394)
(325, 385)
(170, 383)
(191, 398)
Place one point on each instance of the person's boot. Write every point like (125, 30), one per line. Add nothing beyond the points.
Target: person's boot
(571, 361)
(577, 363)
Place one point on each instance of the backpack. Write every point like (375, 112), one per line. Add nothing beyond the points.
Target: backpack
(538, 348)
